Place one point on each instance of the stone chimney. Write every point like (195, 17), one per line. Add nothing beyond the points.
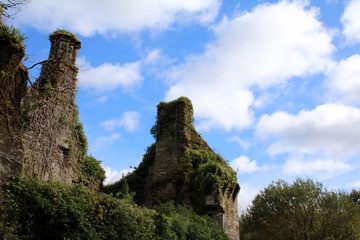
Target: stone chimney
(52, 134)
(61, 61)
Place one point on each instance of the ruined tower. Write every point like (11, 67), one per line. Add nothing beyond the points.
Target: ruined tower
(185, 166)
(53, 140)
(181, 168)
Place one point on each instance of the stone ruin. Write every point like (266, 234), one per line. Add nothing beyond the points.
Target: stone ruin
(176, 167)
(175, 135)
(40, 136)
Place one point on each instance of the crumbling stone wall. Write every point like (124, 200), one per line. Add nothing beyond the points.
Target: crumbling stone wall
(182, 168)
(52, 134)
(13, 76)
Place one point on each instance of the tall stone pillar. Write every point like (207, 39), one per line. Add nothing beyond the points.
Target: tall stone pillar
(52, 136)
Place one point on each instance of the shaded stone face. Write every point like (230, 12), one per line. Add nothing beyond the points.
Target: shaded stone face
(13, 77)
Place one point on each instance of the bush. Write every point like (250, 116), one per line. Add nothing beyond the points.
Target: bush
(50, 210)
(92, 174)
(179, 223)
(301, 210)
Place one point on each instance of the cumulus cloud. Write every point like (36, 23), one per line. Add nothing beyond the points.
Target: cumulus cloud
(330, 129)
(105, 140)
(113, 16)
(351, 21)
(113, 175)
(108, 76)
(322, 142)
(262, 48)
(243, 144)
(243, 164)
(319, 168)
(344, 80)
(246, 195)
(128, 120)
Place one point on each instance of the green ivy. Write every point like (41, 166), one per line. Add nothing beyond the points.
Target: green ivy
(80, 135)
(92, 174)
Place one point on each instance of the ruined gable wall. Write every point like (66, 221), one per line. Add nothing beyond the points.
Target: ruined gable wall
(176, 173)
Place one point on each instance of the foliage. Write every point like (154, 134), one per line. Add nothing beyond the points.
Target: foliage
(136, 179)
(210, 178)
(301, 210)
(92, 174)
(42, 210)
(80, 135)
(355, 196)
(50, 210)
(201, 170)
(8, 5)
(179, 223)
(65, 33)
(11, 33)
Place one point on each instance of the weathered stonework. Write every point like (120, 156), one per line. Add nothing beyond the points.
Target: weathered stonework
(13, 76)
(173, 170)
(40, 134)
(51, 141)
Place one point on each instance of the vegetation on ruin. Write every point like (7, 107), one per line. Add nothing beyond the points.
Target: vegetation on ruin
(65, 33)
(50, 210)
(203, 171)
(91, 173)
(11, 33)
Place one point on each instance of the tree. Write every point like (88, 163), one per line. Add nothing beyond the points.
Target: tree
(301, 210)
(355, 196)
(9, 8)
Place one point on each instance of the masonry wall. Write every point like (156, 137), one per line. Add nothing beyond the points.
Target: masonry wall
(13, 77)
(169, 179)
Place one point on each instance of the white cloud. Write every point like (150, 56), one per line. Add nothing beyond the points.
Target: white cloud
(262, 48)
(351, 21)
(246, 195)
(243, 164)
(332, 130)
(355, 184)
(106, 140)
(243, 144)
(128, 120)
(344, 80)
(113, 16)
(107, 76)
(113, 175)
(319, 168)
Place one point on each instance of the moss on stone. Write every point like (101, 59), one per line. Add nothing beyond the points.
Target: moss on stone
(200, 172)
(60, 32)
(12, 34)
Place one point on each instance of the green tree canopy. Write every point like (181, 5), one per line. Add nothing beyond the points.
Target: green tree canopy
(301, 210)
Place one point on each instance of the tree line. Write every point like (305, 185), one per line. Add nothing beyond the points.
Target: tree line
(302, 210)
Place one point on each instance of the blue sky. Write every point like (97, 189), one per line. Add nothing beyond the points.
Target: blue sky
(275, 84)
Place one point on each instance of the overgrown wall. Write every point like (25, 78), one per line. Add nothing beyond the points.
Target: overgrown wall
(181, 168)
(53, 138)
(13, 76)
